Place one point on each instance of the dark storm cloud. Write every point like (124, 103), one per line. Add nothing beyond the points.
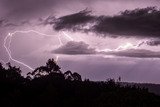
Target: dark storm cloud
(153, 42)
(74, 48)
(139, 53)
(139, 22)
(74, 21)
(130, 23)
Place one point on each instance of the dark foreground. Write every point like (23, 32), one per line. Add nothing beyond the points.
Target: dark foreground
(48, 86)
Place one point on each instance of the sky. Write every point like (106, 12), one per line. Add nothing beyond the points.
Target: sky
(99, 39)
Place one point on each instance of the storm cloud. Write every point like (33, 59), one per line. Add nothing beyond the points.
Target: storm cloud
(139, 23)
(153, 42)
(75, 48)
(74, 21)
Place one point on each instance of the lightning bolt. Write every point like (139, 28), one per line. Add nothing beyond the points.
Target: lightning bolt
(69, 37)
(60, 41)
(123, 47)
(11, 35)
(9, 52)
(7, 45)
(119, 48)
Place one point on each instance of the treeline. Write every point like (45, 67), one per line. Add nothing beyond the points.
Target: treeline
(48, 86)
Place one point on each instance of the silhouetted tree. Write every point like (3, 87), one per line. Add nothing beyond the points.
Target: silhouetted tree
(1, 67)
(76, 77)
(72, 76)
(50, 67)
(68, 75)
(11, 73)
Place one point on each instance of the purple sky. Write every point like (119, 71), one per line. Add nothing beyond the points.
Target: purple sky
(104, 41)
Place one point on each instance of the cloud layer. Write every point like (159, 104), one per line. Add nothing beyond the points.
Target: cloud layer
(142, 22)
(74, 21)
(74, 48)
(81, 48)
(139, 53)
(153, 42)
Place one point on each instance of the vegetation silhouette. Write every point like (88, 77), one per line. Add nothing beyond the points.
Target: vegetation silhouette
(48, 86)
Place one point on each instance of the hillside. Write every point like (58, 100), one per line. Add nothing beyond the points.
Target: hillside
(153, 88)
